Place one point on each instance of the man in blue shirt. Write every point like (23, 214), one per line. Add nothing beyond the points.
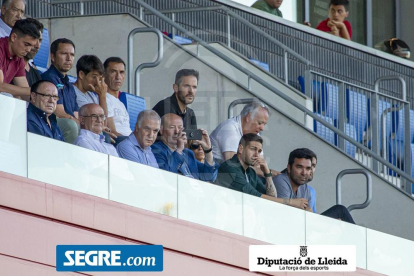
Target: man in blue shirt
(92, 118)
(62, 52)
(137, 146)
(40, 117)
(172, 155)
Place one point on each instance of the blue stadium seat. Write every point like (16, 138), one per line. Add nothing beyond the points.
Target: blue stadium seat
(316, 93)
(398, 122)
(350, 130)
(330, 104)
(42, 56)
(382, 105)
(323, 131)
(134, 105)
(356, 112)
(312, 202)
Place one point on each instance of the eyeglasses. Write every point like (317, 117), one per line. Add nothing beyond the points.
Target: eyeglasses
(95, 117)
(195, 146)
(53, 97)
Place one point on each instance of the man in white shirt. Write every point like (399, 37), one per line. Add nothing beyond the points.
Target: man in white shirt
(92, 117)
(118, 117)
(11, 11)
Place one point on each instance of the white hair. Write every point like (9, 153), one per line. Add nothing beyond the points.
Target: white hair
(253, 107)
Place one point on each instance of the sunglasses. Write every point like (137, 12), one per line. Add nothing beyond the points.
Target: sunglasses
(195, 146)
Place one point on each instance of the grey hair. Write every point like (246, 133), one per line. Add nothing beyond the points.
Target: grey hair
(151, 114)
(6, 3)
(83, 110)
(253, 107)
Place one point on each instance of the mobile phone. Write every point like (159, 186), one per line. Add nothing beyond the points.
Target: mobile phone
(193, 134)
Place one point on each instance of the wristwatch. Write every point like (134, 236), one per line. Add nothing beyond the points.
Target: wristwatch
(209, 150)
(268, 174)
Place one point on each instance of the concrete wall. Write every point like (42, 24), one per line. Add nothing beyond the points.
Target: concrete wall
(406, 23)
(389, 206)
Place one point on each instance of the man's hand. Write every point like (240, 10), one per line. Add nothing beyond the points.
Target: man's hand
(101, 88)
(300, 203)
(74, 119)
(261, 163)
(337, 24)
(182, 141)
(274, 173)
(205, 140)
(112, 136)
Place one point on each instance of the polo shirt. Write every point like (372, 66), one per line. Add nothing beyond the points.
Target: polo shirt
(285, 190)
(96, 142)
(12, 66)
(37, 123)
(67, 94)
(131, 150)
(231, 174)
(263, 6)
(170, 105)
(85, 98)
(5, 30)
(323, 26)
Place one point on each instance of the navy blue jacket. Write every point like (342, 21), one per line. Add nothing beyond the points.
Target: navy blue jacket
(37, 123)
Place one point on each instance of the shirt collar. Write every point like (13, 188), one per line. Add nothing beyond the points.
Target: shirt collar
(134, 141)
(236, 161)
(174, 101)
(59, 74)
(88, 133)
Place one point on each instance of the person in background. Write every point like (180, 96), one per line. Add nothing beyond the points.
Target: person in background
(269, 6)
(198, 150)
(336, 24)
(11, 12)
(32, 74)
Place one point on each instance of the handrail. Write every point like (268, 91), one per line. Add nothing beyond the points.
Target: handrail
(273, 89)
(145, 64)
(368, 183)
(398, 78)
(236, 102)
(256, 29)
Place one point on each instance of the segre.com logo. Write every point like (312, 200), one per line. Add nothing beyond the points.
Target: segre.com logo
(109, 258)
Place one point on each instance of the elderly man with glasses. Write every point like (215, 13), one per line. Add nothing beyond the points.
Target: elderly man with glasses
(40, 117)
(92, 118)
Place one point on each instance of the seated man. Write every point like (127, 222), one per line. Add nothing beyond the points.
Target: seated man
(92, 120)
(236, 173)
(227, 135)
(11, 11)
(269, 6)
(172, 155)
(24, 36)
(293, 184)
(62, 54)
(137, 147)
(40, 117)
(336, 24)
(118, 117)
(185, 90)
(32, 74)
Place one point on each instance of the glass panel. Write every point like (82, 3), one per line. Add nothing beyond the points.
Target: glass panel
(327, 231)
(143, 186)
(13, 143)
(383, 17)
(211, 205)
(68, 166)
(388, 254)
(272, 222)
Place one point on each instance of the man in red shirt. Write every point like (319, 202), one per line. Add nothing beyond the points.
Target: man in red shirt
(23, 37)
(336, 23)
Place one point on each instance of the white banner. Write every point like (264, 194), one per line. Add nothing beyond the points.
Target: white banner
(311, 258)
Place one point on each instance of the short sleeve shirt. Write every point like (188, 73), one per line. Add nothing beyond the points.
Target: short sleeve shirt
(117, 110)
(85, 98)
(226, 137)
(323, 26)
(285, 190)
(12, 66)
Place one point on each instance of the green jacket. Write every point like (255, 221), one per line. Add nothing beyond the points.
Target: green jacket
(263, 6)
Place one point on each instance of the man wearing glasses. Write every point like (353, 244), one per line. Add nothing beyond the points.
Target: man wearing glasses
(11, 11)
(92, 118)
(40, 117)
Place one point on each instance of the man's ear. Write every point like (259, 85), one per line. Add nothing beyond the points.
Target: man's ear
(52, 57)
(32, 97)
(240, 149)
(81, 75)
(13, 36)
(288, 168)
(175, 88)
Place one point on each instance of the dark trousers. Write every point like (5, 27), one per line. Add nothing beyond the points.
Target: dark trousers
(339, 212)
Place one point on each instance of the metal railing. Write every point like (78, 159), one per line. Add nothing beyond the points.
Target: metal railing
(368, 185)
(375, 120)
(145, 64)
(229, 14)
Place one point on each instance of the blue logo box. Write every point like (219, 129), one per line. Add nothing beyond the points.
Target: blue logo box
(109, 258)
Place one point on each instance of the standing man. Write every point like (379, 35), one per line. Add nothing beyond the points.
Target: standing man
(62, 52)
(269, 6)
(185, 90)
(336, 24)
(118, 117)
(172, 155)
(23, 38)
(40, 117)
(237, 173)
(32, 74)
(92, 120)
(11, 11)
(137, 147)
(293, 184)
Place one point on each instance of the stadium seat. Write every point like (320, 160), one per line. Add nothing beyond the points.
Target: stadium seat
(316, 93)
(382, 105)
(42, 57)
(323, 131)
(134, 105)
(330, 104)
(356, 112)
(312, 202)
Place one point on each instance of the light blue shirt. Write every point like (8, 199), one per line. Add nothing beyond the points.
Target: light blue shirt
(85, 98)
(88, 139)
(131, 150)
(5, 30)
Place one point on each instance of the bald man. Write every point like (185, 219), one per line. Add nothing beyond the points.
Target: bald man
(172, 155)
